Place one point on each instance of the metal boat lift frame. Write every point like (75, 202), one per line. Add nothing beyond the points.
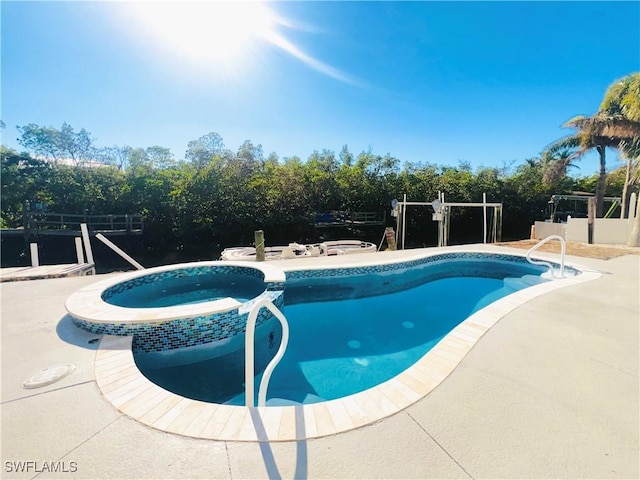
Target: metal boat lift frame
(442, 214)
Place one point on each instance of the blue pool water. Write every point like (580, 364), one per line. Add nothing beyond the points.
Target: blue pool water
(376, 337)
(184, 290)
(347, 333)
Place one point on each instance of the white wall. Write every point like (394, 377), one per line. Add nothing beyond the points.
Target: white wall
(577, 230)
(605, 230)
(544, 229)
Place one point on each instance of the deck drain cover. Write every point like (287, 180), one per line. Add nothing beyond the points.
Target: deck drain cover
(48, 376)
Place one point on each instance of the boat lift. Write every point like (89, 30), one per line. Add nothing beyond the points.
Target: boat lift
(442, 214)
(577, 206)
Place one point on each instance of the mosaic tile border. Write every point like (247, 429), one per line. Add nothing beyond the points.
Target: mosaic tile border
(166, 328)
(436, 258)
(186, 332)
(389, 278)
(192, 271)
(158, 334)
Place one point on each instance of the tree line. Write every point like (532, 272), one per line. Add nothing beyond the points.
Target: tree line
(223, 198)
(218, 197)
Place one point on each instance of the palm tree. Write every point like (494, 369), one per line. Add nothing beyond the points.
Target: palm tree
(634, 238)
(599, 132)
(631, 152)
(615, 125)
(555, 163)
(623, 99)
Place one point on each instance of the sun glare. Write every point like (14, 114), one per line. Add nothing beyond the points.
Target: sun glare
(223, 36)
(221, 32)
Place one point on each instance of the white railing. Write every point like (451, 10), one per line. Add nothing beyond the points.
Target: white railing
(249, 353)
(119, 251)
(545, 263)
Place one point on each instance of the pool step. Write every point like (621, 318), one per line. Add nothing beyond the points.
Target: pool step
(281, 398)
(285, 398)
(518, 283)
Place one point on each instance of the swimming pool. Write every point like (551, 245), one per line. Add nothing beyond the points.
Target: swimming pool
(348, 332)
(126, 389)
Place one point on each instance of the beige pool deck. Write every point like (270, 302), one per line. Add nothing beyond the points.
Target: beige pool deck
(548, 388)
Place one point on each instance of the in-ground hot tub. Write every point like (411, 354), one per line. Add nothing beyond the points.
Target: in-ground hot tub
(179, 305)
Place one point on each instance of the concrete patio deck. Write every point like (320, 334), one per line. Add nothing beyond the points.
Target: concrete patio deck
(551, 391)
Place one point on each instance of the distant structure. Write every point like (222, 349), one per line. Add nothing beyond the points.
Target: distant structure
(349, 219)
(38, 221)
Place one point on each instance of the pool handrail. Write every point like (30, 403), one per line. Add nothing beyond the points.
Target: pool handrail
(545, 263)
(249, 352)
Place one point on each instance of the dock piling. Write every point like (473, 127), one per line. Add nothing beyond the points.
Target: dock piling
(259, 241)
(35, 261)
(87, 244)
(79, 252)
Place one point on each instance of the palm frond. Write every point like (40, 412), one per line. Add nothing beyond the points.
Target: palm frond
(576, 122)
(570, 142)
(623, 97)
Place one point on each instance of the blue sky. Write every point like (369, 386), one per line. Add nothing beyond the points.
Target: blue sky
(488, 83)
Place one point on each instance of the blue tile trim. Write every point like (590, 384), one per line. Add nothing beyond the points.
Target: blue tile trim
(182, 272)
(472, 256)
(186, 332)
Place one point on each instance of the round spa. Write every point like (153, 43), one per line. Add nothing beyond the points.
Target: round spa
(178, 306)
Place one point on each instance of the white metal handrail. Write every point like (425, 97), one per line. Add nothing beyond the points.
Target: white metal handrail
(543, 262)
(249, 353)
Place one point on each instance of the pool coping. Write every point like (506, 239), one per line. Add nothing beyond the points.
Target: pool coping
(124, 386)
(87, 303)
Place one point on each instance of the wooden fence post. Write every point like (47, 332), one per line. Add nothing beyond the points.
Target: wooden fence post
(391, 238)
(591, 219)
(259, 240)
